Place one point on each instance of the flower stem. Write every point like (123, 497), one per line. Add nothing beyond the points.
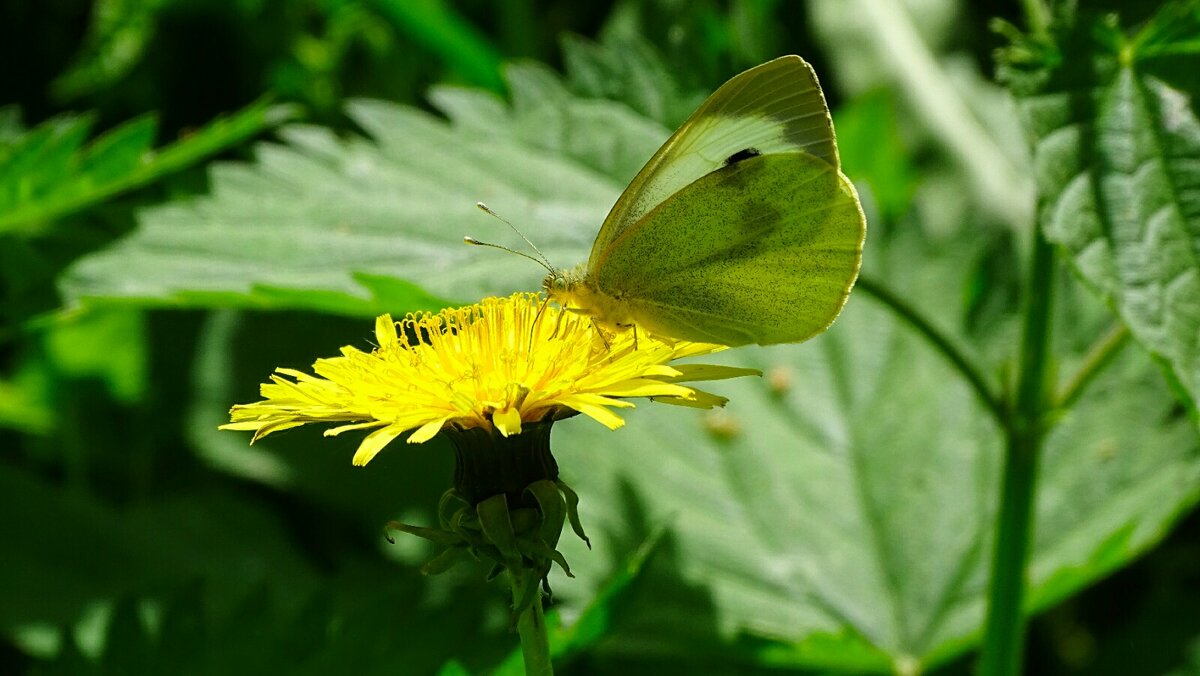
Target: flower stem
(531, 625)
(940, 341)
(1004, 635)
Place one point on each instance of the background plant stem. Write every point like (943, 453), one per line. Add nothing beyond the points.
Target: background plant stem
(1004, 635)
(531, 625)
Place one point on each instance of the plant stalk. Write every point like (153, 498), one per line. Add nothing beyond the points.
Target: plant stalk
(531, 626)
(1004, 636)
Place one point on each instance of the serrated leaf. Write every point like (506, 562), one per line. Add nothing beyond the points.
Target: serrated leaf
(851, 526)
(47, 172)
(847, 527)
(628, 71)
(1117, 156)
(33, 163)
(321, 214)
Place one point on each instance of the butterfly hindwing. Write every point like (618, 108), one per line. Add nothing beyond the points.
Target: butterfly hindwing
(772, 108)
(763, 250)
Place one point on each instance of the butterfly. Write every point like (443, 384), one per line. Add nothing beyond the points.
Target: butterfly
(740, 229)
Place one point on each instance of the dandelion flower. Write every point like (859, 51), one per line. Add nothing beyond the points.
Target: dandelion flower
(496, 366)
(494, 377)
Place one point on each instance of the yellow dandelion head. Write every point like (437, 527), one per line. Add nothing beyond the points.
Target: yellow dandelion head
(493, 365)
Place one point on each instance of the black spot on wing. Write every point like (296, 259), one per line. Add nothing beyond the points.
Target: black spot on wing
(743, 154)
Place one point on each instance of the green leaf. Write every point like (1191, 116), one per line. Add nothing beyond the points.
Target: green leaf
(851, 526)
(47, 173)
(812, 538)
(352, 226)
(847, 526)
(1117, 154)
(628, 71)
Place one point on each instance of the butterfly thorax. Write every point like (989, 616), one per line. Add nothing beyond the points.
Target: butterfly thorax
(575, 292)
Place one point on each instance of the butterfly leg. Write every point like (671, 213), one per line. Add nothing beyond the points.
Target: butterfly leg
(536, 319)
(622, 327)
(600, 332)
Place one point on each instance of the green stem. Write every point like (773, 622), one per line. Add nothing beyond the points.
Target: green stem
(1099, 356)
(531, 625)
(1004, 635)
(939, 341)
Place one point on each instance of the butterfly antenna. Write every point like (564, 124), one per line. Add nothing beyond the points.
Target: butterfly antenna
(488, 210)
(474, 242)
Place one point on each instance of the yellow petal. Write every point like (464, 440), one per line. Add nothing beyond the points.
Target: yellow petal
(595, 411)
(507, 421)
(374, 443)
(333, 432)
(427, 431)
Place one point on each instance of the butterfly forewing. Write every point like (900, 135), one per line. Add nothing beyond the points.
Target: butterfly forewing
(764, 250)
(772, 108)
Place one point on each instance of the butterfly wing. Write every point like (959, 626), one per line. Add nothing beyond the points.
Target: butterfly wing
(764, 250)
(771, 108)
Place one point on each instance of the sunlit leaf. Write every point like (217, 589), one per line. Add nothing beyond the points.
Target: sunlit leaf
(1118, 167)
(849, 526)
(360, 226)
(842, 521)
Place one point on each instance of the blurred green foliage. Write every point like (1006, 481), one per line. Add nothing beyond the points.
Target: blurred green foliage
(193, 192)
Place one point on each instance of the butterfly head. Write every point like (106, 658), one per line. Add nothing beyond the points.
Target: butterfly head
(567, 287)
(556, 283)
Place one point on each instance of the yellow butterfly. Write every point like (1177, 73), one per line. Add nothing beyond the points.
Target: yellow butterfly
(740, 229)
